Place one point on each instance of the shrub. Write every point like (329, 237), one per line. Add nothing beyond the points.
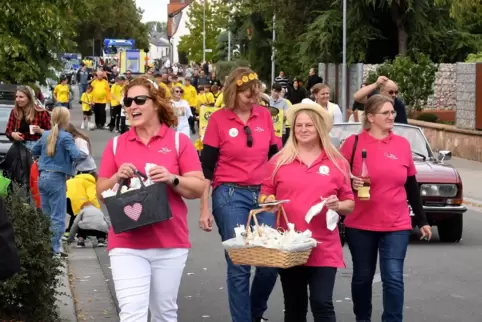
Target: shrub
(474, 58)
(30, 295)
(415, 76)
(428, 117)
(223, 68)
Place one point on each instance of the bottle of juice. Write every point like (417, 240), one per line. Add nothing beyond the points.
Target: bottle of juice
(364, 191)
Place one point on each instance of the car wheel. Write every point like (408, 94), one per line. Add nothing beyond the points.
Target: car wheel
(450, 230)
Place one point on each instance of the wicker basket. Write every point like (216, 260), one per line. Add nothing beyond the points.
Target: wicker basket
(267, 257)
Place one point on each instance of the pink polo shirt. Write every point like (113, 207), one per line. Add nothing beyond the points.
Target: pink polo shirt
(238, 163)
(389, 163)
(160, 150)
(304, 186)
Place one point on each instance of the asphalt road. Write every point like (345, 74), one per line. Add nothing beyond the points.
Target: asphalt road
(443, 282)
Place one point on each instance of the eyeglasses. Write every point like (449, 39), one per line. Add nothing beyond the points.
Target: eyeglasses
(388, 113)
(392, 92)
(178, 91)
(249, 136)
(139, 100)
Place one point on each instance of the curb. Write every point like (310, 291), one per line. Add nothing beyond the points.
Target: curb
(475, 204)
(65, 301)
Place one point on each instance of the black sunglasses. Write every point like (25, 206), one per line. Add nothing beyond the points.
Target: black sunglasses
(249, 136)
(178, 91)
(139, 100)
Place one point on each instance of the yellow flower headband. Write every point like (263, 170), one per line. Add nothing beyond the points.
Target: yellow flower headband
(246, 78)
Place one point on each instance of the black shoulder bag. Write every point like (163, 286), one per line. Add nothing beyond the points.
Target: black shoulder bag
(341, 225)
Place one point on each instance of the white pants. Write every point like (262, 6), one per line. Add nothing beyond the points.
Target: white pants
(147, 279)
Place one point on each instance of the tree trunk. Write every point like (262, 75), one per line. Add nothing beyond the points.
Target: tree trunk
(397, 14)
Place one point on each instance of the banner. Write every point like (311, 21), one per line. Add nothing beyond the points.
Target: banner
(278, 123)
(204, 115)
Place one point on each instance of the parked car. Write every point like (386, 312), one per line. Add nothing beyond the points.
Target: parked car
(5, 143)
(440, 184)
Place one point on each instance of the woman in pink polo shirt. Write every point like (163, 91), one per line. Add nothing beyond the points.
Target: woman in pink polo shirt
(147, 263)
(382, 224)
(238, 141)
(307, 170)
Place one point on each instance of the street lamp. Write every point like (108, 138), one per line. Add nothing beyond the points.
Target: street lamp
(273, 62)
(204, 31)
(343, 66)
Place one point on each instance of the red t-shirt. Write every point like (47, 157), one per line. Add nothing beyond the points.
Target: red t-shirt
(238, 163)
(304, 186)
(160, 150)
(389, 163)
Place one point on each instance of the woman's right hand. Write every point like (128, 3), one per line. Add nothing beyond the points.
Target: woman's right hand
(17, 136)
(206, 220)
(356, 183)
(126, 171)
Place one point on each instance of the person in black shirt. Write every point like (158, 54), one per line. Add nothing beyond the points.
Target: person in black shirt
(386, 87)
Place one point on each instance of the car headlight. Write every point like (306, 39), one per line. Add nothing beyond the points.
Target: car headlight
(438, 190)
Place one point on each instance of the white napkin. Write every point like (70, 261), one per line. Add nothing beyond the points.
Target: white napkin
(147, 168)
(332, 216)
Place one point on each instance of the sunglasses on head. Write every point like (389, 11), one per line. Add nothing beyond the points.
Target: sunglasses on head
(249, 136)
(139, 100)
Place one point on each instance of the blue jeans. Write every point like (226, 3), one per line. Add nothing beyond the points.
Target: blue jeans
(231, 207)
(62, 104)
(29, 144)
(82, 89)
(364, 247)
(53, 200)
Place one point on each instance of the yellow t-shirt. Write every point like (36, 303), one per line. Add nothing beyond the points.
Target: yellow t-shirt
(101, 91)
(166, 88)
(116, 90)
(219, 101)
(86, 99)
(289, 105)
(62, 93)
(204, 99)
(190, 95)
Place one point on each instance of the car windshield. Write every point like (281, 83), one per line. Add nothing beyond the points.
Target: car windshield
(413, 134)
(4, 115)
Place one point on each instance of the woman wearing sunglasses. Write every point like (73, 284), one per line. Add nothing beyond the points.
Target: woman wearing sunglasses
(381, 225)
(238, 142)
(148, 262)
(182, 111)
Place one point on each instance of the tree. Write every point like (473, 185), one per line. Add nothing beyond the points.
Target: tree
(157, 26)
(97, 20)
(464, 11)
(216, 21)
(33, 32)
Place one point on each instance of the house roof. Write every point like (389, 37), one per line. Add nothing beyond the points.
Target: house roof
(174, 9)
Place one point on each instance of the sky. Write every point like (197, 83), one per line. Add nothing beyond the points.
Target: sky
(154, 10)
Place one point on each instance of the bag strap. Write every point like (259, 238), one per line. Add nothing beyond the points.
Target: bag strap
(176, 142)
(353, 152)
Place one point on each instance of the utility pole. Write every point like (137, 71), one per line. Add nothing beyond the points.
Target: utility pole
(229, 31)
(204, 32)
(343, 67)
(273, 64)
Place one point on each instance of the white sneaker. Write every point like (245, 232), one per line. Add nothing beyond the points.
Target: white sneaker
(82, 126)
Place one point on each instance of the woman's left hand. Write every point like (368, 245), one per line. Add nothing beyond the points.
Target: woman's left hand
(332, 203)
(160, 174)
(426, 232)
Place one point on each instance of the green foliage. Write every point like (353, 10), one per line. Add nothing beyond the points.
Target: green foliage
(428, 117)
(474, 58)
(414, 74)
(216, 21)
(32, 32)
(30, 295)
(97, 20)
(223, 68)
(156, 26)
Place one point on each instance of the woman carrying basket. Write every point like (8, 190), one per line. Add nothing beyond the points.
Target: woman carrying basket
(148, 262)
(307, 171)
(238, 142)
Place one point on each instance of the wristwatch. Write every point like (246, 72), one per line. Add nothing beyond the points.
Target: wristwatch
(175, 181)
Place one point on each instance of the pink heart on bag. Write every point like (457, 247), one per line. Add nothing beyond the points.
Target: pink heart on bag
(134, 211)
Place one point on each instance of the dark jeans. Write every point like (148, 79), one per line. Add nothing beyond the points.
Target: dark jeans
(115, 114)
(71, 214)
(364, 247)
(320, 281)
(83, 233)
(231, 207)
(192, 121)
(99, 115)
(285, 136)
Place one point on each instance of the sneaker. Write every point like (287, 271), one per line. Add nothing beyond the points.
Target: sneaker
(101, 242)
(80, 244)
(82, 126)
(259, 319)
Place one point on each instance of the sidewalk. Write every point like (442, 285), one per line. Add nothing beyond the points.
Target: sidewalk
(471, 174)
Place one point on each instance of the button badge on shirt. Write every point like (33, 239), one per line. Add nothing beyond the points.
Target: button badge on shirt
(233, 132)
(324, 170)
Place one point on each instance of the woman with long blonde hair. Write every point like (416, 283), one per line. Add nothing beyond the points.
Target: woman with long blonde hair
(307, 171)
(57, 152)
(27, 121)
(82, 141)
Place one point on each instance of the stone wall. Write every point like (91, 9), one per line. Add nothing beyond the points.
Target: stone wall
(466, 95)
(445, 90)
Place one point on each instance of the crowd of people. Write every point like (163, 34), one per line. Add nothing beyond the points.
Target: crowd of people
(243, 163)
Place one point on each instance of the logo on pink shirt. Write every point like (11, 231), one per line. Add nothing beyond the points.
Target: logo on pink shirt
(164, 150)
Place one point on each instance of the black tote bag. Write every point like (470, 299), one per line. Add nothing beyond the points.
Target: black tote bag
(138, 208)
